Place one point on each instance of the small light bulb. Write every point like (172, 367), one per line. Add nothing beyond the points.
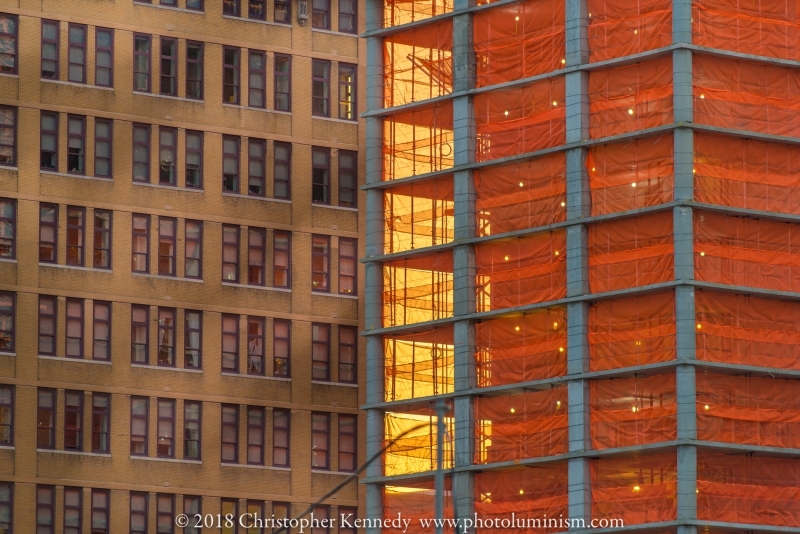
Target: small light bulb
(555, 102)
(516, 18)
(521, 492)
(556, 253)
(633, 409)
(513, 410)
(563, 204)
(560, 349)
(697, 491)
(630, 112)
(633, 184)
(555, 325)
(505, 113)
(702, 97)
(563, 61)
(635, 32)
(593, 169)
(558, 404)
(706, 407)
(506, 258)
(636, 488)
(702, 253)
(516, 328)
(694, 171)
(699, 326)
(521, 184)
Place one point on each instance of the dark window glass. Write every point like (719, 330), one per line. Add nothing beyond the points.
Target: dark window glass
(76, 235)
(73, 420)
(191, 430)
(48, 138)
(45, 509)
(140, 352)
(230, 164)
(141, 63)
(6, 425)
(347, 16)
(320, 175)
(8, 135)
(230, 433)
(230, 75)
(167, 230)
(193, 331)
(322, 513)
(76, 145)
(47, 325)
(257, 80)
(50, 39)
(282, 11)
(230, 7)
(77, 53)
(100, 511)
(165, 514)
(347, 90)
(256, 255)
(321, 14)
(8, 227)
(192, 506)
(169, 66)
(257, 9)
(74, 329)
(139, 425)
(230, 343)
(140, 258)
(194, 159)
(165, 440)
(102, 147)
(166, 337)
(6, 507)
(282, 170)
(348, 261)
(193, 266)
(167, 142)
(320, 85)
(48, 232)
(139, 512)
(141, 153)
(101, 331)
(320, 263)
(104, 57)
(348, 162)
(280, 438)
(101, 419)
(283, 82)
(7, 321)
(281, 346)
(320, 351)
(320, 440)
(347, 519)
(282, 259)
(255, 435)
(102, 239)
(256, 509)
(46, 419)
(256, 167)
(230, 253)
(348, 352)
(194, 70)
(255, 345)
(8, 45)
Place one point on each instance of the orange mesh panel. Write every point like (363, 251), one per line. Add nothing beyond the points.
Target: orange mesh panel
(418, 365)
(415, 451)
(527, 347)
(397, 12)
(745, 330)
(520, 120)
(418, 63)
(633, 411)
(746, 95)
(414, 501)
(632, 331)
(521, 271)
(738, 409)
(747, 252)
(630, 252)
(636, 490)
(635, 97)
(746, 173)
(418, 142)
(418, 215)
(630, 175)
(748, 489)
(418, 289)
(521, 195)
(620, 28)
(515, 41)
(521, 426)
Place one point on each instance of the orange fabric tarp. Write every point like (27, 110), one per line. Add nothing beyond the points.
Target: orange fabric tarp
(619, 28)
(418, 141)
(631, 252)
(418, 289)
(520, 271)
(745, 95)
(418, 215)
(629, 98)
(529, 425)
(411, 441)
(518, 40)
(418, 365)
(630, 175)
(520, 120)
(744, 330)
(526, 347)
(414, 501)
(633, 411)
(521, 195)
(632, 331)
(397, 12)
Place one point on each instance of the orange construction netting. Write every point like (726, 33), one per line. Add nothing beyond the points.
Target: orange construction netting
(746, 173)
(518, 40)
(418, 63)
(745, 330)
(633, 411)
(632, 331)
(529, 425)
(414, 501)
(631, 252)
(520, 120)
(418, 289)
(522, 348)
(630, 175)
(748, 489)
(521, 195)
(629, 98)
(419, 215)
(739, 409)
(619, 28)
(418, 141)
(747, 252)
(520, 271)
(418, 365)
(397, 12)
(637, 490)
(415, 451)
(745, 95)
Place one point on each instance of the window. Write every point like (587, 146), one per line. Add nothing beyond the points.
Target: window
(50, 35)
(255, 435)
(166, 246)
(230, 433)
(73, 420)
(282, 170)
(6, 321)
(230, 164)
(347, 16)
(169, 66)
(76, 145)
(139, 512)
(348, 517)
(321, 513)
(347, 266)
(281, 263)
(48, 138)
(256, 509)
(230, 253)
(347, 442)
(6, 423)
(141, 244)
(348, 352)
(101, 331)
(194, 70)
(8, 44)
(191, 430)
(348, 162)
(196, 5)
(193, 332)
(46, 419)
(320, 440)
(256, 155)
(74, 330)
(8, 134)
(230, 7)
(101, 419)
(282, 11)
(258, 9)
(165, 513)
(139, 420)
(321, 14)
(283, 81)
(194, 160)
(230, 75)
(281, 346)
(102, 239)
(45, 509)
(230, 507)
(280, 438)
(166, 428)
(255, 345)
(193, 266)
(280, 510)
(76, 231)
(99, 511)
(47, 325)
(320, 85)
(166, 337)
(320, 175)
(141, 63)
(8, 227)
(320, 262)
(102, 148)
(141, 153)
(104, 57)
(256, 254)
(140, 328)
(167, 141)
(192, 506)
(6, 507)
(230, 343)
(320, 351)
(258, 70)
(77, 53)
(347, 88)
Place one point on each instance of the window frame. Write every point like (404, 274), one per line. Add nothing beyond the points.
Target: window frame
(168, 516)
(81, 138)
(324, 13)
(198, 255)
(230, 245)
(235, 70)
(76, 412)
(51, 506)
(200, 7)
(325, 80)
(100, 232)
(15, 37)
(254, 509)
(200, 68)
(187, 332)
(257, 430)
(99, 304)
(261, 74)
(10, 406)
(236, 335)
(354, 16)
(343, 89)
(320, 352)
(323, 512)
(173, 150)
(352, 173)
(53, 410)
(52, 133)
(326, 258)
(97, 510)
(288, 340)
(319, 416)
(233, 157)
(169, 420)
(141, 417)
(258, 251)
(147, 147)
(78, 230)
(198, 152)
(56, 43)
(354, 453)
(53, 317)
(167, 246)
(259, 158)
(287, 5)
(188, 509)
(234, 10)
(110, 50)
(276, 234)
(353, 260)
(235, 426)
(8, 504)
(141, 234)
(252, 340)
(166, 331)
(276, 430)
(278, 163)
(9, 222)
(263, 4)
(173, 60)
(13, 128)
(199, 422)
(12, 298)
(279, 75)
(351, 514)
(110, 141)
(71, 320)
(321, 187)
(138, 512)
(104, 414)
(82, 47)
(148, 55)
(353, 367)
(137, 325)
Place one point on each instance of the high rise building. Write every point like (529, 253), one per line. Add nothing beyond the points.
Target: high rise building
(178, 261)
(582, 235)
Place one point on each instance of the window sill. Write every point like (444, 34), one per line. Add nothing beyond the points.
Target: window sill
(75, 267)
(253, 197)
(331, 32)
(13, 354)
(327, 472)
(263, 110)
(170, 8)
(261, 288)
(328, 206)
(258, 377)
(162, 277)
(329, 383)
(8, 75)
(13, 168)
(256, 21)
(331, 119)
(8, 260)
(334, 295)
(169, 97)
(81, 176)
(80, 360)
(249, 466)
(169, 460)
(76, 453)
(165, 368)
(169, 187)
(76, 84)
(7, 447)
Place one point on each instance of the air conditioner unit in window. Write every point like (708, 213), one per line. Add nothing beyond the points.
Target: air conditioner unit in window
(302, 11)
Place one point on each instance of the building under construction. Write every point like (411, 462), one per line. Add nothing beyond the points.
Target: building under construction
(583, 233)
